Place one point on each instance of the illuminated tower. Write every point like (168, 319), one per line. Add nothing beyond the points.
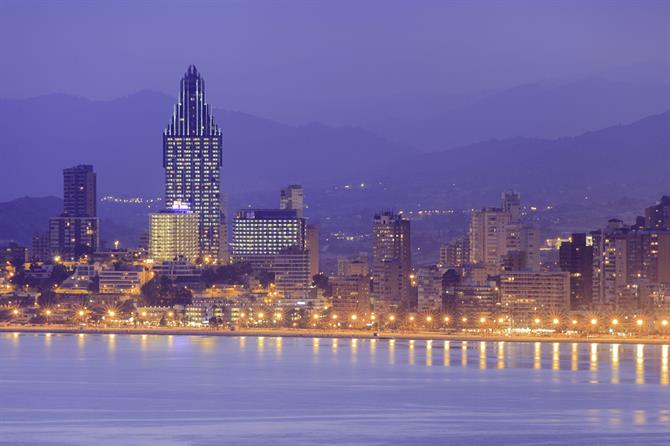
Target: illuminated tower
(192, 161)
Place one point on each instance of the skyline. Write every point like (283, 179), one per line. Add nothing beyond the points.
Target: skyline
(382, 222)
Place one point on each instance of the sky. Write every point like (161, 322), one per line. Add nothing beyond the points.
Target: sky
(339, 62)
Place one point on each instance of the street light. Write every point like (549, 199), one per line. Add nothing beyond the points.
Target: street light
(639, 322)
(594, 321)
(615, 321)
(555, 321)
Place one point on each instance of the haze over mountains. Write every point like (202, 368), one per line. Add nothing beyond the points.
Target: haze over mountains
(532, 110)
(123, 139)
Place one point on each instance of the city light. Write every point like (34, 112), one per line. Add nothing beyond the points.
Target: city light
(429, 318)
(615, 321)
(639, 322)
(482, 319)
(555, 321)
(594, 321)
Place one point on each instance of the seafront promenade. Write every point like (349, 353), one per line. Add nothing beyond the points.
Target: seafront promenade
(345, 334)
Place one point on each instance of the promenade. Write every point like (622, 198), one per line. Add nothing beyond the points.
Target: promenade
(346, 334)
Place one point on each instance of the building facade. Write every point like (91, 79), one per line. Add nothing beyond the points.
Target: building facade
(391, 260)
(293, 197)
(260, 234)
(76, 231)
(173, 233)
(192, 159)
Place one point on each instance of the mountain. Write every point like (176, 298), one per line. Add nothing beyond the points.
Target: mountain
(624, 160)
(123, 140)
(533, 110)
(23, 217)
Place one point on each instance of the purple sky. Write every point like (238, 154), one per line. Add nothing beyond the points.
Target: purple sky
(338, 62)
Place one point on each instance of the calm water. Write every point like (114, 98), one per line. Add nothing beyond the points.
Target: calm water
(191, 390)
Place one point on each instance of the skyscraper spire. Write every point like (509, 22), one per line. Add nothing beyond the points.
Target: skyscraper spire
(192, 160)
(192, 115)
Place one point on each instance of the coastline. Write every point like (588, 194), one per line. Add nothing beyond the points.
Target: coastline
(342, 334)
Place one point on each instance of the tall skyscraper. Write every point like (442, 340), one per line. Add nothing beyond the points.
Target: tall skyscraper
(76, 231)
(293, 197)
(391, 260)
(576, 257)
(79, 191)
(192, 161)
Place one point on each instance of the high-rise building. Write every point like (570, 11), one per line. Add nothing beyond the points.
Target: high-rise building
(293, 197)
(456, 253)
(498, 239)
(260, 234)
(576, 257)
(429, 289)
(312, 245)
(487, 238)
(656, 256)
(511, 205)
(79, 191)
(351, 294)
(526, 294)
(173, 233)
(192, 161)
(292, 280)
(76, 231)
(391, 260)
(658, 216)
(41, 248)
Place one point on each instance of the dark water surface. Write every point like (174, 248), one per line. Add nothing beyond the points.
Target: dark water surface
(199, 390)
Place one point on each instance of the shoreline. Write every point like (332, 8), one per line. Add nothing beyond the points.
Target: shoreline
(348, 334)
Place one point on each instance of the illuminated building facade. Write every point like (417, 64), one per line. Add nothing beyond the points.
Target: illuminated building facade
(292, 279)
(76, 231)
(173, 233)
(192, 161)
(391, 260)
(527, 293)
(260, 234)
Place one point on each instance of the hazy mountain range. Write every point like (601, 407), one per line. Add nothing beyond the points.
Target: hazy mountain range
(533, 110)
(123, 138)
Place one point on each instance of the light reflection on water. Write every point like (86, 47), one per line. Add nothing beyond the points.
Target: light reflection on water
(371, 387)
